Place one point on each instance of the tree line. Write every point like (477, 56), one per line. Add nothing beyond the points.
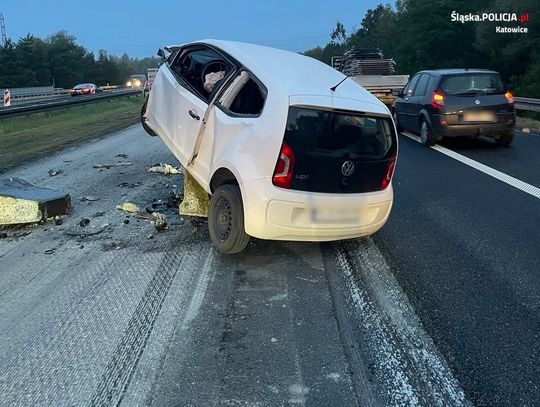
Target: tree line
(58, 60)
(420, 34)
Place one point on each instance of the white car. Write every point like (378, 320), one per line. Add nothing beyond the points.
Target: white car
(284, 153)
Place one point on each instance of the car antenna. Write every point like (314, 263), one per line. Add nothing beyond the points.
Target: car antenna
(333, 88)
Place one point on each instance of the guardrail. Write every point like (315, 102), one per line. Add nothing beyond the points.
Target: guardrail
(527, 104)
(64, 103)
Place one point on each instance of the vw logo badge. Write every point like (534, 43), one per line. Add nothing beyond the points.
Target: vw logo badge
(477, 102)
(347, 168)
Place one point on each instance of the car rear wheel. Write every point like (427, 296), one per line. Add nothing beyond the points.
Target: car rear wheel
(143, 120)
(226, 220)
(425, 134)
(505, 139)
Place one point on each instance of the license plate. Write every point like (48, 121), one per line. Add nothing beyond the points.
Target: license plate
(334, 216)
(479, 117)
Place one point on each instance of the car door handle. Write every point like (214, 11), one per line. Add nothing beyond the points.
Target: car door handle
(194, 115)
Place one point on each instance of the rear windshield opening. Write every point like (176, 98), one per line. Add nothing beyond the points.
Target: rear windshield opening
(339, 134)
(472, 84)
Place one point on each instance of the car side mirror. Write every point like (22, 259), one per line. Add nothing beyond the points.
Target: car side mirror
(397, 92)
(161, 53)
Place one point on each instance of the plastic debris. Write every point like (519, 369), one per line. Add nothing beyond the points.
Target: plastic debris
(84, 222)
(50, 251)
(122, 155)
(53, 173)
(123, 164)
(87, 231)
(89, 198)
(163, 169)
(128, 207)
(98, 214)
(159, 221)
(150, 236)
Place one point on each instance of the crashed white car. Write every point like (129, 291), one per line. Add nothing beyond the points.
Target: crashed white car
(284, 152)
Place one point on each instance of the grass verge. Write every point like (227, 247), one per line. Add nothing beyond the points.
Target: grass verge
(27, 137)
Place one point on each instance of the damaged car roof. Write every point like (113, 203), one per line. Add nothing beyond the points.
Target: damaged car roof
(294, 74)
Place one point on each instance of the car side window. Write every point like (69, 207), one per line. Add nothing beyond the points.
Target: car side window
(411, 86)
(246, 96)
(202, 69)
(421, 85)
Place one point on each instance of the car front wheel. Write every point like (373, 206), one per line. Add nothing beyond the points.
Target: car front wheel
(226, 220)
(425, 134)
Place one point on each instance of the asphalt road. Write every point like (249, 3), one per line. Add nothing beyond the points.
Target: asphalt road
(439, 308)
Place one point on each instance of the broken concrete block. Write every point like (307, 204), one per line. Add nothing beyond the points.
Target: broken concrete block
(22, 202)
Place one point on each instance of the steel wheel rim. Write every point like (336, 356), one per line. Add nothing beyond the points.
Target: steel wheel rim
(223, 218)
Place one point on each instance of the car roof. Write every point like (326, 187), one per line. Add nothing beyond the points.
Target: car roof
(293, 73)
(454, 71)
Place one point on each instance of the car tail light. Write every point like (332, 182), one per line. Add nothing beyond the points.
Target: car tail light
(284, 168)
(437, 99)
(509, 98)
(390, 166)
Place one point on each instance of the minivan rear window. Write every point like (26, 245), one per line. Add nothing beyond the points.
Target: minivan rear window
(340, 134)
(472, 84)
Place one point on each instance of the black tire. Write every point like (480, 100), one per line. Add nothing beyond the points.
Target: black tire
(505, 139)
(426, 136)
(226, 220)
(399, 128)
(143, 121)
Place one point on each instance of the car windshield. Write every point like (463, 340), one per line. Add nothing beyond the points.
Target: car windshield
(337, 133)
(82, 86)
(472, 84)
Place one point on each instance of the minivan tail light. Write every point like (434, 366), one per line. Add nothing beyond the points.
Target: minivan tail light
(284, 168)
(437, 99)
(509, 98)
(390, 167)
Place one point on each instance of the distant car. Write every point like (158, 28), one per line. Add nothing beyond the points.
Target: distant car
(284, 153)
(136, 82)
(147, 86)
(84, 89)
(456, 102)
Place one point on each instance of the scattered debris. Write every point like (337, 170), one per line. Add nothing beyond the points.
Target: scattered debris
(526, 130)
(22, 202)
(195, 202)
(122, 164)
(87, 231)
(98, 214)
(58, 221)
(126, 221)
(163, 169)
(150, 236)
(114, 245)
(273, 340)
(159, 221)
(84, 222)
(50, 251)
(89, 198)
(53, 173)
(3, 235)
(128, 207)
(130, 184)
(122, 155)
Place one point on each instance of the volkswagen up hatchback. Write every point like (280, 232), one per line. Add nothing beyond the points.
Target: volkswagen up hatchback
(283, 152)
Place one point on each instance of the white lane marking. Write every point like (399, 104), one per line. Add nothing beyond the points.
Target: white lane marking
(501, 176)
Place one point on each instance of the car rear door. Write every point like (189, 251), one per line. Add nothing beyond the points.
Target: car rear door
(403, 106)
(416, 101)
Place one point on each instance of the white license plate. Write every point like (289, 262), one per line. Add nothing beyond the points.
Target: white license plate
(479, 117)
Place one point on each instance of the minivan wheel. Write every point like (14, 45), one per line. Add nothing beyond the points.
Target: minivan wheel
(143, 121)
(226, 220)
(505, 139)
(425, 134)
(398, 126)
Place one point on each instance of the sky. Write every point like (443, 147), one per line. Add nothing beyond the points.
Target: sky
(139, 28)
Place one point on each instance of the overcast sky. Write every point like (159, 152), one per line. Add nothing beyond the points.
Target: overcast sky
(140, 27)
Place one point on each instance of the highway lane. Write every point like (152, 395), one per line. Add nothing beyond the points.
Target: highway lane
(119, 318)
(465, 248)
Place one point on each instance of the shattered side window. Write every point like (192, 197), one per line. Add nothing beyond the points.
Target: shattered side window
(249, 100)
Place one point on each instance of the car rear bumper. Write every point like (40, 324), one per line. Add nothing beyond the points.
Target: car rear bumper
(504, 125)
(279, 214)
